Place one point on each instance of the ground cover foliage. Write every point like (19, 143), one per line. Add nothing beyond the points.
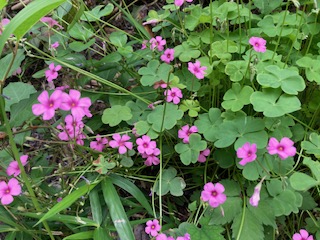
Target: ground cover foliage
(160, 120)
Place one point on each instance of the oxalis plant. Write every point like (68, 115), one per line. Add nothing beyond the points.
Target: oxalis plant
(200, 121)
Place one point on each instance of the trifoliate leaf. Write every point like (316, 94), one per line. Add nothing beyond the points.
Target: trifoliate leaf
(237, 70)
(236, 97)
(114, 115)
(206, 232)
(170, 183)
(154, 72)
(302, 182)
(312, 146)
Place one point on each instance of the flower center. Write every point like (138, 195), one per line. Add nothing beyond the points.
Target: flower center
(196, 70)
(256, 44)
(214, 193)
(280, 148)
(173, 94)
(7, 191)
(153, 227)
(73, 104)
(145, 145)
(249, 154)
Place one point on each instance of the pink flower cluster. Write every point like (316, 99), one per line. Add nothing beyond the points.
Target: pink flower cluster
(153, 228)
(78, 106)
(148, 150)
(173, 95)
(52, 72)
(157, 42)
(302, 235)
(213, 193)
(283, 149)
(72, 129)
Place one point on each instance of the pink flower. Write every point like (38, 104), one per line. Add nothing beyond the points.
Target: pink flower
(52, 73)
(144, 44)
(121, 143)
(168, 55)
(51, 22)
(99, 144)
(213, 194)
(13, 168)
(162, 236)
(47, 105)
(13, 188)
(173, 95)
(72, 129)
(157, 42)
(179, 3)
(247, 152)
(55, 45)
(153, 227)
(161, 84)
(4, 22)
(185, 132)
(16, 72)
(79, 106)
(196, 69)
(185, 237)
(152, 21)
(259, 44)
(145, 145)
(255, 198)
(203, 155)
(284, 148)
(304, 235)
(152, 159)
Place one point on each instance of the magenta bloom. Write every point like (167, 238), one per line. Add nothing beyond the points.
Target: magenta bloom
(72, 130)
(145, 145)
(52, 73)
(4, 22)
(179, 3)
(144, 44)
(153, 227)
(203, 155)
(55, 45)
(213, 194)
(13, 188)
(152, 159)
(247, 152)
(51, 22)
(186, 131)
(162, 236)
(196, 69)
(284, 148)
(158, 43)
(303, 235)
(121, 143)
(258, 44)
(13, 168)
(185, 237)
(173, 95)
(99, 144)
(79, 106)
(47, 105)
(168, 55)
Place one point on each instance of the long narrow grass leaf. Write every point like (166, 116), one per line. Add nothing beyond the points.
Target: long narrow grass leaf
(79, 236)
(117, 213)
(95, 206)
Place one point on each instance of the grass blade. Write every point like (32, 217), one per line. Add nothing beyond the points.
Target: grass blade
(95, 206)
(117, 213)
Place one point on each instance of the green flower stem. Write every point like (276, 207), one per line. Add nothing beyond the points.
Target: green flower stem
(302, 123)
(24, 176)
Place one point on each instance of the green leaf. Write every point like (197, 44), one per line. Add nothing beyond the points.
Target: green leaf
(223, 49)
(5, 63)
(302, 182)
(273, 104)
(16, 92)
(192, 106)
(103, 165)
(280, 126)
(206, 232)
(164, 117)
(208, 124)
(312, 68)
(101, 234)
(247, 226)
(192, 19)
(289, 80)
(264, 213)
(314, 167)
(3, 3)
(231, 208)
(131, 188)
(67, 201)
(118, 39)
(267, 6)
(170, 183)
(95, 205)
(26, 18)
(236, 70)
(81, 32)
(312, 146)
(117, 212)
(139, 111)
(97, 12)
(236, 97)
(154, 72)
(143, 127)
(286, 202)
(114, 115)
(80, 46)
(189, 152)
(186, 52)
(79, 236)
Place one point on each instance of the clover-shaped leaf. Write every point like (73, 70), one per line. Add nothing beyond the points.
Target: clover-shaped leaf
(139, 111)
(165, 117)
(289, 80)
(206, 232)
(155, 72)
(192, 19)
(240, 130)
(192, 106)
(189, 152)
(97, 12)
(273, 104)
(143, 127)
(208, 124)
(236, 70)
(102, 165)
(185, 52)
(312, 68)
(312, 146)
(114, 115)
(286, 202)
(222, 49)
(170, 183)
(236, 97)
